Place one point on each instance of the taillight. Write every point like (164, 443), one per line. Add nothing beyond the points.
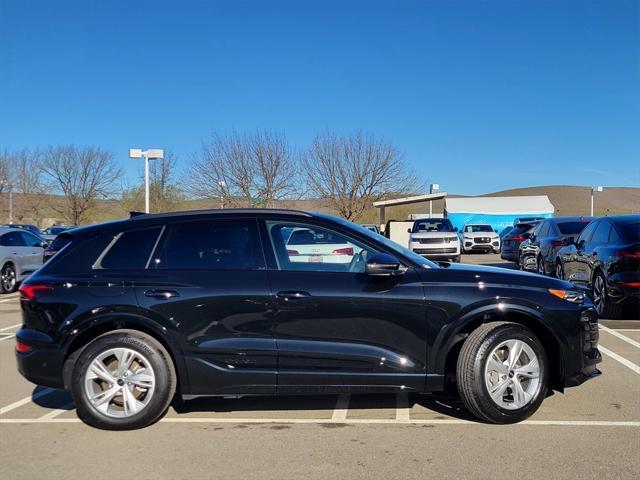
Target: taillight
(32, 292)
(557, 243)
(293, 252)
(630, 254)
(517, 238)
(22, 348)
(632, 284)
(343, 251)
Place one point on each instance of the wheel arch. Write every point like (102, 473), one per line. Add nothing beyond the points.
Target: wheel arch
(114, 324)
(522, 316)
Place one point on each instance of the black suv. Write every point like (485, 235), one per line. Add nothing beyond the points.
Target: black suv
(131, 312)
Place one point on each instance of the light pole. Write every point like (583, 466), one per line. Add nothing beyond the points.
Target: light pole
(432, 188)
(149, 154)
(6, 183)
(221, 184)
(593, 190)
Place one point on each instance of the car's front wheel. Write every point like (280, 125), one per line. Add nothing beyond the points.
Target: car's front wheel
(559, 270)
(502, 372)
(123, 380)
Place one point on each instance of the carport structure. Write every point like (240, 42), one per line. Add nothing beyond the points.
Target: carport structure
(381, 205)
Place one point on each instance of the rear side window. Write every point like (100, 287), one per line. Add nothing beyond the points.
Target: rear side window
(79, 253)
(129, 250)
(544, 229)
(572, 228)
(61, 241)
(12, 239)
(210, 245)
(601, 235)
(30, 240)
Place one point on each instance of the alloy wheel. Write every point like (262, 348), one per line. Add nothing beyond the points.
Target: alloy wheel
(541, 266)
(119, 382)
(599, 294)
(559, 271)
(512, 375)
(8, 278)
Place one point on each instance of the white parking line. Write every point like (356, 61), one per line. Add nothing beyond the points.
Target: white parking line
(26, 400)
(9, 299)
(630, 341)
(8, 337)
(353, 421)
(402, 407)
(9, 328)
(59, 411)
(342, 405)
(620, 359)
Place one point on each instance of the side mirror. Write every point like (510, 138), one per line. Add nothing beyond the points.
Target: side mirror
(384, 265)
(408, 230)
(455, 229)
(43, 244)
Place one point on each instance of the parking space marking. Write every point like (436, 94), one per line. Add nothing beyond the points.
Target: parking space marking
(342, 406)
(59, 411)
(620, 359)
(6, 336)
(9, 328)
(630, 341)
(402, 407)
(353, 421)
(5, 300)
(26, 400)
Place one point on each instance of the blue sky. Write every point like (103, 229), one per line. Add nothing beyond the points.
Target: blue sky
(480, 96)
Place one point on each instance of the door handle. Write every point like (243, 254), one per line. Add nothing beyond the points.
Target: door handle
(292, 295)
(161, 294)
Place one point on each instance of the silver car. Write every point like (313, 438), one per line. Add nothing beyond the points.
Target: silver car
(20, 255)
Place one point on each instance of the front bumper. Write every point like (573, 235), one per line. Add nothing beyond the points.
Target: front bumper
(584, 368)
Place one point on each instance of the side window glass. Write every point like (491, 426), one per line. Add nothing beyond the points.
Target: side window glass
(544, 229)
(601, 235)
(129, 250)
(585, 236)
(210, 245)
(30, 240)
(311, 248)
(613, 235)
(13, 239)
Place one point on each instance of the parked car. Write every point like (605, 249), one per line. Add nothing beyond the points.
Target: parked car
(20, 255)
(510, 249)
(505, 231)
(371, 226)
(212, 303)
(318, 246)
(539, 252)
(605, 260)
(533, 219)
(435, 238)
(480, 237)
(52, 232)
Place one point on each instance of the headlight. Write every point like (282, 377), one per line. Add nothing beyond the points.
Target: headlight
(568, 295)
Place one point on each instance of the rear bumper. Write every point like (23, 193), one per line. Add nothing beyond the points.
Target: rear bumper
(42, 364)
(624, 286)
(510, 255)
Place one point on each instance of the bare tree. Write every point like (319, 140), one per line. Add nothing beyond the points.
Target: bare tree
(164, 191)
(82, 175)
(241, 169)
(352, 171)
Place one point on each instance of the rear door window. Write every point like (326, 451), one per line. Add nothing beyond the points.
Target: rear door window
(129, 250)
(571, 228)
(210, 245)
(601, 235)
(30, 240)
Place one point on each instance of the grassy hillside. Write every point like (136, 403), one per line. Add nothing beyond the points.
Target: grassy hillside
(567, 199)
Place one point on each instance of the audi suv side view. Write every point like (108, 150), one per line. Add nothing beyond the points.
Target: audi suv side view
(132, 313)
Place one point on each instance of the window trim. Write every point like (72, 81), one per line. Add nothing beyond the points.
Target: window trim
(97, 265)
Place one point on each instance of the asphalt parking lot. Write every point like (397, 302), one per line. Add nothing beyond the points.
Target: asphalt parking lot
(591, 431)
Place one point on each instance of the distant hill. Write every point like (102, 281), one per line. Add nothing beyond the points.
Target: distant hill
(567, 199)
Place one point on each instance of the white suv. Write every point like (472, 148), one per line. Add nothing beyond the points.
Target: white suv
(435, 238)
(480, 237)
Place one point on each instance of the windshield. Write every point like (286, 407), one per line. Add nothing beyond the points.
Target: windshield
(478, 228)
(571, 228)
(390, 244)
(433, 225)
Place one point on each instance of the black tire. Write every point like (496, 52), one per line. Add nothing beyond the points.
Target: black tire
(456, 259)
(605, 308)
(540, 266)
(8, 282)
(163, 369)
(470, 370)
(559, 272)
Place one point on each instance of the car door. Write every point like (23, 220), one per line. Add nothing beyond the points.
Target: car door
(338, 328)
(577, 268)
(33, 251)
(206, 282)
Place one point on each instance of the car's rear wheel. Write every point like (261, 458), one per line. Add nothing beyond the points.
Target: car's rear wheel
(601, 301)
(559, 270)
(502, 372)
(123, 380)
(8, 279)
